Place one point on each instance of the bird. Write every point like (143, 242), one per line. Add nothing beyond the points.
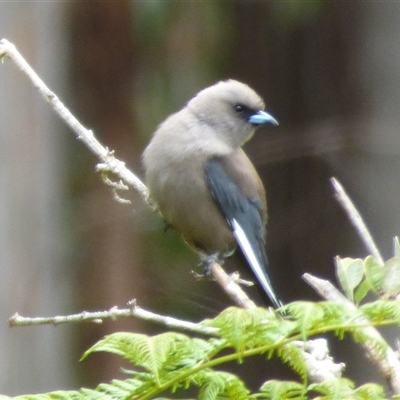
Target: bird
(202, 182)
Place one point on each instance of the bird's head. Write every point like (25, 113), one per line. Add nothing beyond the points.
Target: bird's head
(232, 109)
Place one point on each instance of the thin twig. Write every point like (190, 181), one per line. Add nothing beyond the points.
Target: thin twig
(356, 219)
(105, 156)
(387, 362)
(114, 313)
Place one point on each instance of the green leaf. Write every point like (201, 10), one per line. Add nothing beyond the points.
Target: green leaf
(373, 273)
(391, 277)
(361, 291)
(350, 272)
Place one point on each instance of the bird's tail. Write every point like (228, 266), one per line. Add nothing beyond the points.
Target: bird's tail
(257, 262)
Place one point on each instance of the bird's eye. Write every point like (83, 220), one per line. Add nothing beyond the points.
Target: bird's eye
(239, 108)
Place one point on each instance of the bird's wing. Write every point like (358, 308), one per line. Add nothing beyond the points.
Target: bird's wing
(245, 218)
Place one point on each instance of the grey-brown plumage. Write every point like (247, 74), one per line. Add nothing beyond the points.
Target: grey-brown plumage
(203, 183)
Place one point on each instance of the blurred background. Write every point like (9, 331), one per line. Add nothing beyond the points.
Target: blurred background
(329, 71)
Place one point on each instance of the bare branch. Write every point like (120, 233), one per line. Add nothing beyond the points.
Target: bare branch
(105, 156)
(343, 198)
(114, 313)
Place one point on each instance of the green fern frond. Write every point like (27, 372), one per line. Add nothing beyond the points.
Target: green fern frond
(338, 318)
(382, 310)
(336, 313)
(279, 390)
(119, 389)
(221, 385)
(58, 395)
(164, 351)
(334, 389)
(91, 394)
(308, 316)
(339, 389)
(375, 343)
(293, 356)
(370, 391)
(244, 329)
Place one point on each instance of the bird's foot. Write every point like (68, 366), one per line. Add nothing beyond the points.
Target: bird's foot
(206, 263)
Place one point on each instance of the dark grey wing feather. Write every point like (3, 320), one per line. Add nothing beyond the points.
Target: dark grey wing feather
(244, 216)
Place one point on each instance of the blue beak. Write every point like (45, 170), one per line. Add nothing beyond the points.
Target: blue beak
(261, 117)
